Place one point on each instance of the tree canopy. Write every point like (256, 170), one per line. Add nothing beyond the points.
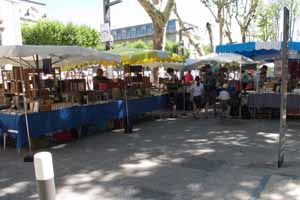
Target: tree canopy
(170, 46)
(47, 32)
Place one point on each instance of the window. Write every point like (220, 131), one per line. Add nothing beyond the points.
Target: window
(119, 35)
(123, 34)
(149, 29)
(114, 33)
(133, 32)
(139, 31)
(143, 30)
(171, 26)
(128, 31)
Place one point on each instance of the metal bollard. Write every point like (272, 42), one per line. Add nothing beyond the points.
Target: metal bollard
(44, 175)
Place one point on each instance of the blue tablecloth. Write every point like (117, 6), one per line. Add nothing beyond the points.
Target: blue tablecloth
(42, 123)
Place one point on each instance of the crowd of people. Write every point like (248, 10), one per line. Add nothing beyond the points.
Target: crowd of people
(212, 86)
(204, 91)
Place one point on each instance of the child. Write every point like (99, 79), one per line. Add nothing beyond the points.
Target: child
(224, 97)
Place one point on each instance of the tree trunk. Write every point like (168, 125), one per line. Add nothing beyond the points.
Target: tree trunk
(243, 33)
(159, 36)
(159, 20)
(221, 26)
(228, 35)
(209, 30)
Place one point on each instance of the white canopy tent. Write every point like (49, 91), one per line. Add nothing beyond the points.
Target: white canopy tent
(30, 55)
(214, 59)
(61, 56)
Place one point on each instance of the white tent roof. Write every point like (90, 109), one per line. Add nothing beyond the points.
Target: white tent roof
(218, 59)
(225, 58)
(60, 55)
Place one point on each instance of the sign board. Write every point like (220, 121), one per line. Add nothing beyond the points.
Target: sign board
(105, 33)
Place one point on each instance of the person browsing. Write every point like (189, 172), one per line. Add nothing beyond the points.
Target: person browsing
(188, 78)
(100, 79)
(197, 90)
(224, 98)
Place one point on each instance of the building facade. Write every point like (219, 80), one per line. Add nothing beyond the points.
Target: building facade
(15, 12)
(145, 32)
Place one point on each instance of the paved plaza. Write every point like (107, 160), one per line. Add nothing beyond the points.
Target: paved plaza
(180, 159)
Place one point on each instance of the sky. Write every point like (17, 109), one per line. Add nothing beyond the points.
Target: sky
(127, 13)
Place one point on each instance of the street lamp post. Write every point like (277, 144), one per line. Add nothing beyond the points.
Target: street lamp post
(106, 15)
(181, 42)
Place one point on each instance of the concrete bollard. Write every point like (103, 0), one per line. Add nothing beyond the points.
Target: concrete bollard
(44, 175)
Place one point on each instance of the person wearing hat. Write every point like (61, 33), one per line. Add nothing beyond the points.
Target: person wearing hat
(224, 98)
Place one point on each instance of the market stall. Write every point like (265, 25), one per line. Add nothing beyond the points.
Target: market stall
(64, 103)
(138, 84)
(266, 99)
(34, 86)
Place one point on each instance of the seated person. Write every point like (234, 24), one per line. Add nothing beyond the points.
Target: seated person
(98, 79)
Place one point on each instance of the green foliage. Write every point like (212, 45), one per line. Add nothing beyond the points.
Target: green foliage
(265, 19)
(206, 49)
(136, 44)
(173, 47)
(269, 17)
(47, 32)
(170, 46)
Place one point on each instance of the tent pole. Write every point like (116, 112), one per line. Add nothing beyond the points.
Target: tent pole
(29, 158)
(128, 128)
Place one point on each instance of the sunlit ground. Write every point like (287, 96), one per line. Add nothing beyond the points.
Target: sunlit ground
(167, 159)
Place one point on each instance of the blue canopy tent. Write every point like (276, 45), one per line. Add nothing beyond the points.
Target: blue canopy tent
(258, 50)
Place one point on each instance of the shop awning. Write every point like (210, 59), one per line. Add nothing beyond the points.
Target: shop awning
(152, 58)
(258, 50)
(67, 57)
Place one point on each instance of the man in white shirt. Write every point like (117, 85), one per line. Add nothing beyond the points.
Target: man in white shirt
(224, 98)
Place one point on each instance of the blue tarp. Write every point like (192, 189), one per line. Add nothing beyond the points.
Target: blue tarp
(257, 50)
(42, 123)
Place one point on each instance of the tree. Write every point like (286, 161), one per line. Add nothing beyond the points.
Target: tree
(43, 33)
(47, 32)
(210, 35)
(159, 19)
(269, 16)
(172, 47)
(229, 10)
(245, 12)
(217, 9)
(136, 44)
(267, 21)
(293, 6)
(191, 39)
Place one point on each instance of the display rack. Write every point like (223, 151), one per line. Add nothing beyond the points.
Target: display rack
(135, 78)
